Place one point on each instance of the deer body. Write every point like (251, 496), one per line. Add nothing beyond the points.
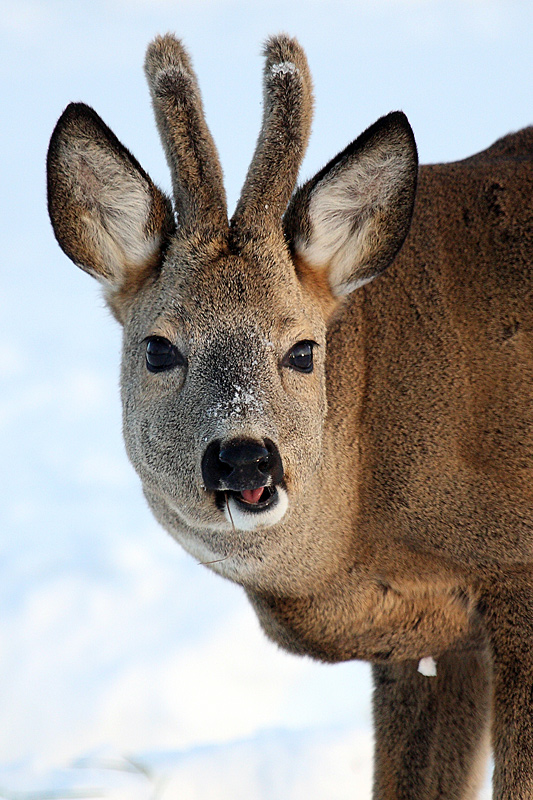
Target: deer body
(446, 377)
(354, 448)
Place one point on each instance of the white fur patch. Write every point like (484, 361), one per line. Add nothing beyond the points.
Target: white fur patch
(351, 286)
(118, 205)
(251, 520)
(231, 565)
(342, 211)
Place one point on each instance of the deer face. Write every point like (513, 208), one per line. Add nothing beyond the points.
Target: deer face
(224, 363)
(224, 386)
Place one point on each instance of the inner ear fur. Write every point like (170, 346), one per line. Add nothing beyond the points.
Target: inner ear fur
(107, 214)
(349, 221)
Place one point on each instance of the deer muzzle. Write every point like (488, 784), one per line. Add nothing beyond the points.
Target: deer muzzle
(241, 466)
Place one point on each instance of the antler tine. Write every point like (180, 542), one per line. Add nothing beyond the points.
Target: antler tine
(190, 150)
(287, 113)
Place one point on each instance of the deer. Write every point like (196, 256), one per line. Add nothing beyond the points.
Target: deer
(328, 398)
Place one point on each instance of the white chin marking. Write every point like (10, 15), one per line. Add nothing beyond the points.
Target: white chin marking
(250, 520)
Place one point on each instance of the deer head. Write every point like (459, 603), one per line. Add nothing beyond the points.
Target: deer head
(225, 376)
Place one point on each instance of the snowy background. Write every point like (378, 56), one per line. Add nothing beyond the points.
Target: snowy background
(127, 670)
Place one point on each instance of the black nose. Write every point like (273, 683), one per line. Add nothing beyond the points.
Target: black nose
(241, 464)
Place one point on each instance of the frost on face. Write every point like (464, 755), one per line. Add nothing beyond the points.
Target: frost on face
(242, 391)
(243, 401)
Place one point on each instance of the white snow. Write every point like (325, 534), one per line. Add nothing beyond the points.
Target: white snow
(283, 68)
(428, 667)
(273, 765)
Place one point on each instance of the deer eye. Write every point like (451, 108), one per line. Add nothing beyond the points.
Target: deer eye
(162, 354)
(300, 357)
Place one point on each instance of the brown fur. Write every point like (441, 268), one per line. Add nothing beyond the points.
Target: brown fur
(407, 451)
(288, 107)
(199, 194)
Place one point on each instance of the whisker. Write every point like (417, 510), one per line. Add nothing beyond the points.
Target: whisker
(218, 560)
(229, 512)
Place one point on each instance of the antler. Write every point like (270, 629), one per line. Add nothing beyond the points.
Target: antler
(199, 193)
(287, 113)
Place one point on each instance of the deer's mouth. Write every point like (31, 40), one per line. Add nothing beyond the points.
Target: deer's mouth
(251, 509)
(250, 500)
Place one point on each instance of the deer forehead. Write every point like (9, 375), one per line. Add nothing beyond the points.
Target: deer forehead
(204, 299)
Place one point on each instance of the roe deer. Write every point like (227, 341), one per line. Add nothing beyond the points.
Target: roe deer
(356, 451)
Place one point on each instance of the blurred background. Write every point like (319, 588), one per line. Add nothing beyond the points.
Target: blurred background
(128, 670)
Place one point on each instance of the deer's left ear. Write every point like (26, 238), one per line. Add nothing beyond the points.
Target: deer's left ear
(107, 215)
(350, 220)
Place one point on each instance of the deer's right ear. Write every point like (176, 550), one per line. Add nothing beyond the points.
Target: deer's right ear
(107, 215)
(349, 221)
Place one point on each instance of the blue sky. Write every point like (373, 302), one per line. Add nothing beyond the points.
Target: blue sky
(110, 635)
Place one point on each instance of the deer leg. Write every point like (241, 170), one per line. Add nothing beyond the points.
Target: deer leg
(431, 733)
(508, 615)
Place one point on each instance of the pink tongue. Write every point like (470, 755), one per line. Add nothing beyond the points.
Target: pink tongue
(252, 495)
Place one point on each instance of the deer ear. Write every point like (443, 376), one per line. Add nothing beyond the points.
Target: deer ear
(107, 215)
(350, 220)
